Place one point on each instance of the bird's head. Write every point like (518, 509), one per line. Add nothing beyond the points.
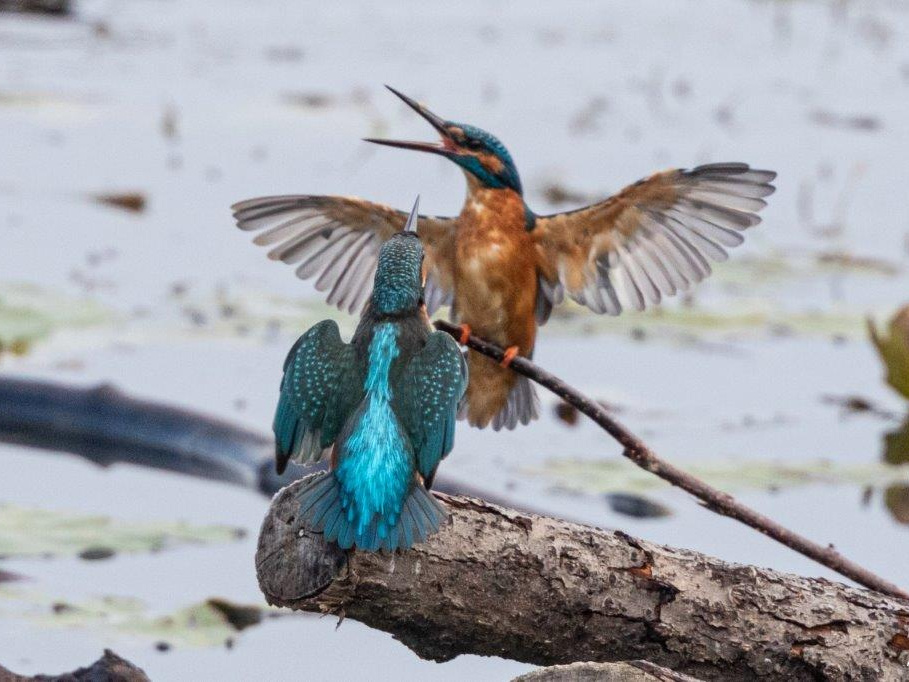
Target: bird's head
(479, 153)
(400, 277)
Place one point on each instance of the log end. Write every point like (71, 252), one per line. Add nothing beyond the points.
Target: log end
(293, 563)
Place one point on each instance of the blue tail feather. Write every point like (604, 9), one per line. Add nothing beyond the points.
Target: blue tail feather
(419, 520)
(407, 529)
(335, 523)
(321, 509)
(389, 542)
(346, 534)
(427, 514)
(321, 505)
(371, 538)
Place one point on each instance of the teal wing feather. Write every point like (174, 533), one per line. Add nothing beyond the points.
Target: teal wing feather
(427, 400)
(318, 390)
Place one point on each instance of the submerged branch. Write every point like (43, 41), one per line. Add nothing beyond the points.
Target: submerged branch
(106, 426)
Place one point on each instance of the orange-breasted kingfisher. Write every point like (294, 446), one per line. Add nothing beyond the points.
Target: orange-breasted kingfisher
(501, 266)
(384, 406)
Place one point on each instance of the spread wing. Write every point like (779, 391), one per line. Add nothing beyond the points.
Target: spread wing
(652, 239)
(432, 386)
(337, 241)
(319, 389)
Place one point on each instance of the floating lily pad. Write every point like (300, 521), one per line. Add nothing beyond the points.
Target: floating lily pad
(252, 314)
(209, 623)
(746, 317)
(20, 328)
(605, 476)
(29, 314)
(37, 532)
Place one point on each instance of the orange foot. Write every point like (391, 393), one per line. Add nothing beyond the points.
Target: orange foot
(510, 354)
(465, 334)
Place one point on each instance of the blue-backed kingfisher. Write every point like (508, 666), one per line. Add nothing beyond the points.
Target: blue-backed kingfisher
(384, 406)
(501, 266)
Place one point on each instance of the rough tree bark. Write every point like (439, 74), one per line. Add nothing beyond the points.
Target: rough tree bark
(625, 671)
(498, 582)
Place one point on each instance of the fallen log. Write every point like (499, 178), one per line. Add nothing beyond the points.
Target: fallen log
(498, 582)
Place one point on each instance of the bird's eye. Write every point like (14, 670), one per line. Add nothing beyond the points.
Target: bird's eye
(474, 144)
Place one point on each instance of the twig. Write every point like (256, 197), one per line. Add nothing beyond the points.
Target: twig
(715, 500)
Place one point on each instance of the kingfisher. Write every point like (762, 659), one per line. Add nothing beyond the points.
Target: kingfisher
(501, 266)
(384, 407)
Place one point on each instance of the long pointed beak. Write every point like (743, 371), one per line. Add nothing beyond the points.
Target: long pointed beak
(445, 148)
(411, 224)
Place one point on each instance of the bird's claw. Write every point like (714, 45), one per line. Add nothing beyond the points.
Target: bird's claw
(510, 354)
(465, 334)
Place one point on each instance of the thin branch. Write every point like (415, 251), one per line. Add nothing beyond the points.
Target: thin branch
(715, 500)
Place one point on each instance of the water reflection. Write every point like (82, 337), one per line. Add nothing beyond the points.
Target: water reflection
(896, 451)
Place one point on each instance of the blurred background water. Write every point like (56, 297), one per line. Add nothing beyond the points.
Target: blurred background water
(128, 129)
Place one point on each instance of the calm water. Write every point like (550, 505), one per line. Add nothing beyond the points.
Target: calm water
(197, 105)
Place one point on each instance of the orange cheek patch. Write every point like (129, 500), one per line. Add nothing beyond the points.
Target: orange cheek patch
(491, 163)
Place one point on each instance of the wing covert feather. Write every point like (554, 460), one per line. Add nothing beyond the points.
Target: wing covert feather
(433, 385)
(319, 389)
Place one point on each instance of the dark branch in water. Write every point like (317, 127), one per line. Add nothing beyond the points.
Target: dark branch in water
(106, 426)
(109, 667)
(715, 500)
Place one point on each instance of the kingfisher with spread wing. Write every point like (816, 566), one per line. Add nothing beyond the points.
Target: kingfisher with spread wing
(384, 406)
(501, 266)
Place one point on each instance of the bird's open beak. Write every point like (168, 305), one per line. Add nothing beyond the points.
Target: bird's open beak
(446, 147)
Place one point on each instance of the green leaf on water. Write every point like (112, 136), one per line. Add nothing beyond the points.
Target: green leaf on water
(894, 350)
(20, 328)
(29, 314)
(209, 623)
(605, 476)
(37, 532)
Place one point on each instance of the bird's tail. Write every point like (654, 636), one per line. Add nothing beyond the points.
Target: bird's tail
(498, 396)
(322, 509)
